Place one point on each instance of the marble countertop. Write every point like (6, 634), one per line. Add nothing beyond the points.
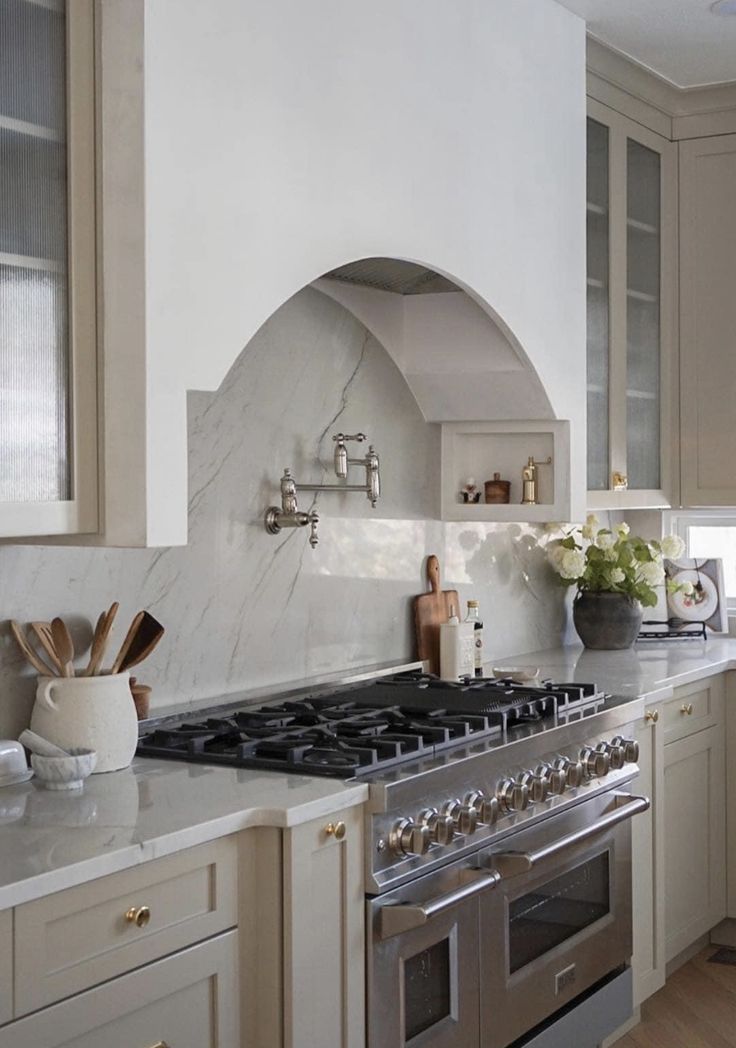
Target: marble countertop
(53, 840)
(50, 841)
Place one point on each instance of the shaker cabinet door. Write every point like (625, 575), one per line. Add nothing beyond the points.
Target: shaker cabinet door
(631, 211)
(188, 1000)
(48, 380)
(708, 320)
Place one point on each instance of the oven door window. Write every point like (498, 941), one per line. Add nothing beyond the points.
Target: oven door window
(557, 910)
(427, 989)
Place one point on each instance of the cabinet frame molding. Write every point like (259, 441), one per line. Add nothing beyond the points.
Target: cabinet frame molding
(620, 128)
(79, 514)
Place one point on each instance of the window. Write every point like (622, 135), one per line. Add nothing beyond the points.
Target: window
(710, 533)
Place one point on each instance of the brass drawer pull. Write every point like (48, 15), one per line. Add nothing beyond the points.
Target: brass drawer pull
(336, 830)
(651, 716)
(140, 916)
(687, 707)
(160, 1044)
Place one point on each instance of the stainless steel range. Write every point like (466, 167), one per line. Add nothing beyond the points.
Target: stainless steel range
(498, 855)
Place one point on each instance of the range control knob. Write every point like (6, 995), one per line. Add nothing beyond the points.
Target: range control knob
(537, 785)
(615, 753)
(441, 827)
(512, 795)
(486, 808)
(409, 838)
(571, 769)
(464, 817)
(595, 763)
(630, 748)
(556, 778)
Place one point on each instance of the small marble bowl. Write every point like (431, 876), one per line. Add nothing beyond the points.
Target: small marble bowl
(64, 773)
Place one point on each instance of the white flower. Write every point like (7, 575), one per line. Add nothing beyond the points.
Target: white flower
(591, 520)
(587, 531)
(555, 552)
(572, 564)
(686, 588)
(673, 547)
(610, 555)
(623, 529)
(652, 573)
(605, 540)
(617, 575)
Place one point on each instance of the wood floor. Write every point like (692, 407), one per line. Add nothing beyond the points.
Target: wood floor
(695, 1009)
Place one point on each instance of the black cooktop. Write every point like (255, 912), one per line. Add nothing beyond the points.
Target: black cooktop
(357, 730)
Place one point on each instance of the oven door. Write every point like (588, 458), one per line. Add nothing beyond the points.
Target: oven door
(423, 961)
(560, 920)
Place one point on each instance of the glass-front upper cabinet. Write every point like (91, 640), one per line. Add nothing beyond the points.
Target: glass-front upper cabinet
(631, 214)
(48, 383)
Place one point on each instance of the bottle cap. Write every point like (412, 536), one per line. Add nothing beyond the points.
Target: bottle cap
(473, 603)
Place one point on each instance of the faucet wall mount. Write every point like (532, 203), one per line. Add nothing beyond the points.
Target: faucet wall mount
(289, 515)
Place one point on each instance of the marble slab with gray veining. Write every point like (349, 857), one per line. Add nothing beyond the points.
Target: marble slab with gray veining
(244, 609)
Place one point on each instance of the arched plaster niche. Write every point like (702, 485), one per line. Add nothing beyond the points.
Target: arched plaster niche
(458, 357)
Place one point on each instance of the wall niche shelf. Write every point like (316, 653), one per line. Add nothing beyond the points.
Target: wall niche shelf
(480, 449)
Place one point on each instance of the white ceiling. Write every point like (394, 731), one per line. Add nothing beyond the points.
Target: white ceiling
(680, 40)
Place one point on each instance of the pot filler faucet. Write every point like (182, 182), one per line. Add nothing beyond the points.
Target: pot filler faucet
(289, 515)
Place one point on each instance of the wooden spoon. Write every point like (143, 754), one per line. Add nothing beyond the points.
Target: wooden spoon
(38, 664)
(46, 640)
(64, 646)
(99, 641)
(146, 637)
(129, 638)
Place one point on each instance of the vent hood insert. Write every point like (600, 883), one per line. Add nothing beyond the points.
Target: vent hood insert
(392, 274)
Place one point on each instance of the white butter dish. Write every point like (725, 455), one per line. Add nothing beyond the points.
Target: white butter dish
(13, 766)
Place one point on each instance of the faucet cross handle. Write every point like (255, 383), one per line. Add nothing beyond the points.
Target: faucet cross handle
(342, 437)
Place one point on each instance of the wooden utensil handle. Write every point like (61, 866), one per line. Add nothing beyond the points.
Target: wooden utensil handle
(433, 573)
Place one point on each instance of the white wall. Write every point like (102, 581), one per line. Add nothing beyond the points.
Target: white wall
(245, 609)
(284, 138)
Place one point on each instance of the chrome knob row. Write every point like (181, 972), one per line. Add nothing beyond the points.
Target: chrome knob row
(435, 826)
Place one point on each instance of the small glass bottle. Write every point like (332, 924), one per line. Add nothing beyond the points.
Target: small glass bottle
(474, 617)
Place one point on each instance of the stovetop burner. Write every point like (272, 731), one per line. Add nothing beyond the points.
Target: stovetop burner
(370, 726)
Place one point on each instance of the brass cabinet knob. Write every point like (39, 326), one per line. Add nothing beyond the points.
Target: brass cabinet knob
(651, 716)
(687, 708)
(336, 830)
(139, 916)
(619, 481)
(160, 1044)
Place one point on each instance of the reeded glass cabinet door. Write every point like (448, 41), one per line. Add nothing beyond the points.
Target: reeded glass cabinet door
(631, 215)
(47, 338)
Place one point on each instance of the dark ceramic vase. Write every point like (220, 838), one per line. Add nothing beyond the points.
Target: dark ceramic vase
(607, 621)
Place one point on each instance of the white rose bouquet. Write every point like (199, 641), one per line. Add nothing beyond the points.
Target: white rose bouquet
(604, 560)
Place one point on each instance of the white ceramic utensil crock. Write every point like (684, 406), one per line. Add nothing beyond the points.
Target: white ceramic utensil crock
(92, 713)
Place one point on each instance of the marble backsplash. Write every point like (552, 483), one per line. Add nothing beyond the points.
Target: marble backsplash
(244, 609)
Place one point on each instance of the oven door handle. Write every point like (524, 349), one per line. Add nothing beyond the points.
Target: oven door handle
(402, 917)
(511, 864)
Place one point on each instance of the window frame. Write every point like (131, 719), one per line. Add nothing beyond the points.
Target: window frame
(677, 522)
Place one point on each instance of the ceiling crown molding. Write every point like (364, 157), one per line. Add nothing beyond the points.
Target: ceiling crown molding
(671, 111)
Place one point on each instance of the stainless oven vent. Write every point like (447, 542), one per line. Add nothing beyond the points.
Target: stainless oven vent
(392, 274)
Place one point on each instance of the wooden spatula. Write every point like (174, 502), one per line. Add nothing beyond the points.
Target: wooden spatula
(99, 641)
(143, 636)
(38, 664)
(64, 646)
(46, 640)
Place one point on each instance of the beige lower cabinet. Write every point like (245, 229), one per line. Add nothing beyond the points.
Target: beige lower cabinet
(647, 846)
(6, 966)
(695, 837)
(324, 937)
(183, 1001)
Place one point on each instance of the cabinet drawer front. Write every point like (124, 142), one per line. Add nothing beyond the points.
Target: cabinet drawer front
(77, 938)
(6, 966)
(189, 1000)
(693, 708)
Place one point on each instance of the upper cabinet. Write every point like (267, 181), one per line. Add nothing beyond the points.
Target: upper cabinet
(631, 216)
(708, 320)
(48, 383)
